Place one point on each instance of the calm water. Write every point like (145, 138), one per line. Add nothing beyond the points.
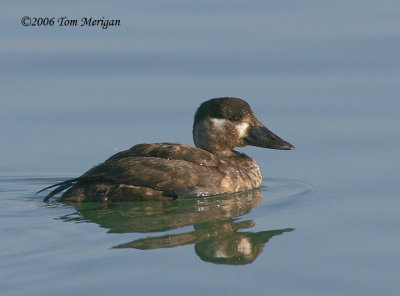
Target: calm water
(324, 75)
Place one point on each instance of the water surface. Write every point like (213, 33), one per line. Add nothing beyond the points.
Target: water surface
(321, 74)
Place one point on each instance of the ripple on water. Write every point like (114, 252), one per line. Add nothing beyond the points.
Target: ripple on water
(276, 191)
(281, 192)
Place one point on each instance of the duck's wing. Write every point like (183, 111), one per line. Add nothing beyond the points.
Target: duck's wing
(164, 167)
(175, 151)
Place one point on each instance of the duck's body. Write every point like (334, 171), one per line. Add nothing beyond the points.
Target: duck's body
(170, 170)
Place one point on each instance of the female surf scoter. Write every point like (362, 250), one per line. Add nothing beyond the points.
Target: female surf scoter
(166, 171)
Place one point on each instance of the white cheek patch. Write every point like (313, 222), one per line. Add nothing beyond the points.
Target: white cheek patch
(242, 129)
(220, 252)
(219, 123)
(222, 123)
(245, 247)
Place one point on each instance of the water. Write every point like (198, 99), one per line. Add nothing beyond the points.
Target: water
(323, 75)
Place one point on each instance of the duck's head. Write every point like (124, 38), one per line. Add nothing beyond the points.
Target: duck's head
(224, 123)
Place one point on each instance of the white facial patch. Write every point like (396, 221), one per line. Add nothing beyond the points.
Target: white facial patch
(242, 129)
(220, 252)
(219, 123)
(245, 246)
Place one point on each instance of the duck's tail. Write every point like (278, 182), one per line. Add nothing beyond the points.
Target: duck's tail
(61, 186)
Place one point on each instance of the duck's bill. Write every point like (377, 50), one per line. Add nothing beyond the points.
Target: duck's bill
(260, 136)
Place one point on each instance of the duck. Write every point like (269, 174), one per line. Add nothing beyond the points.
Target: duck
(167, 171)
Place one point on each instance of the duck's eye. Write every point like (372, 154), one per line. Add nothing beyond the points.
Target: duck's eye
(234, 118)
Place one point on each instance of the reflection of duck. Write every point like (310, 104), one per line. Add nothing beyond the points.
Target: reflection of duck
(216, 227)
(170, 170)
(217, 242)
(238, 248)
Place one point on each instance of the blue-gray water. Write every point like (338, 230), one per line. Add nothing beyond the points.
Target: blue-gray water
(324, 75)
